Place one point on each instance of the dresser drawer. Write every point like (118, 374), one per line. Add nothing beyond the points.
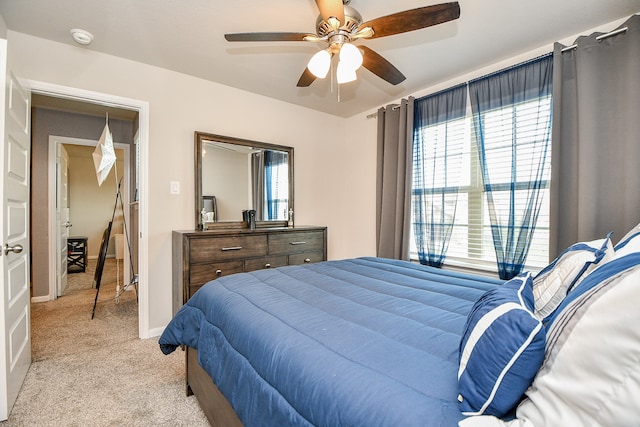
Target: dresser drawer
(265, 262)
(227, 248)
(202, 256)
(302, 258)
(287, 243)
(199, 274)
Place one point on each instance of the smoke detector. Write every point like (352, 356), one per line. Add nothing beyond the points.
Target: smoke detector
(82, 37)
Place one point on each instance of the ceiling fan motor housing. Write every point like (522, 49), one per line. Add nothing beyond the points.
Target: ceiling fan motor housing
(352, 21)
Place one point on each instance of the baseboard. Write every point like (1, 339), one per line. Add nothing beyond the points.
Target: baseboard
(40, 299)
(156, 332)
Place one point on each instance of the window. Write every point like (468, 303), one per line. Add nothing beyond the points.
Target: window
(516, 135)
(457, 170)
(441, 180)
(515, 158)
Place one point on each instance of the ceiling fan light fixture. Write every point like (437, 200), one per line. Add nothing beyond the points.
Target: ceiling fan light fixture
(320, 63)
(350, 56)
(345, 73)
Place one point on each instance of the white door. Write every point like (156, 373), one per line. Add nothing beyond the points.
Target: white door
(62, 218)
(14, 225)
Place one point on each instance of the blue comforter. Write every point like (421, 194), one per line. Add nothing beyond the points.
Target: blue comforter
(360, 342)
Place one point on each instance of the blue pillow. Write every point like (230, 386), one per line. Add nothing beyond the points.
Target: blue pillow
(501, 350)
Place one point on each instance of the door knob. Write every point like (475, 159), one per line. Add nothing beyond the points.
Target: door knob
(16, 249)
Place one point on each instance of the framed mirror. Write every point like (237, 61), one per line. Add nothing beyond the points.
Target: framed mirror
(234, 176)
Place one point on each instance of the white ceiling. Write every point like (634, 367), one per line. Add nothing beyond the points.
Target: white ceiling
(188, 36)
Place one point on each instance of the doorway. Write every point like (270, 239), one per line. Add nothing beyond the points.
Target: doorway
(84, 102)
(89, 206)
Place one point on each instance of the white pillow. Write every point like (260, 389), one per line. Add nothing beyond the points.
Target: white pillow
(552, 284)
(590, 375)
(629, 243)
(631, 232)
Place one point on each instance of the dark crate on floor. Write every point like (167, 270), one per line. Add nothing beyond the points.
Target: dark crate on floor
(76, 254)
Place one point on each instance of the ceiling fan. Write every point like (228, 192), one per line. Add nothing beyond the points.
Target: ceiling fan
(339, 25)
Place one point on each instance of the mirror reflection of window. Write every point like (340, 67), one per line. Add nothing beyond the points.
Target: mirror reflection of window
(270, 176)
(276, 185)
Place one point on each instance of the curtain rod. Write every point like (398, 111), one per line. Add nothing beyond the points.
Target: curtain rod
(612, 33)
(375, 114)
(573, 46)
(599, 38)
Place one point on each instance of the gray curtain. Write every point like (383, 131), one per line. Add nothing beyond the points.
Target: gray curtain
(393, 201)
(595, 178)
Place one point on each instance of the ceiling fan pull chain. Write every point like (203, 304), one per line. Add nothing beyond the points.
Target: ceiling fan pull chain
(333, 75)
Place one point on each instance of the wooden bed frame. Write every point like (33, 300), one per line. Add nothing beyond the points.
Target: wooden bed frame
(213, 403)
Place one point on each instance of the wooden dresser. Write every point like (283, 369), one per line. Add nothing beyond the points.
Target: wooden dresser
(201, 256)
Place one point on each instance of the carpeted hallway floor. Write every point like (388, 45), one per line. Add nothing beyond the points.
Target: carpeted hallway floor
(97, 372)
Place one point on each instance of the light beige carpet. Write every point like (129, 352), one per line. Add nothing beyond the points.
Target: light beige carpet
(97, 372)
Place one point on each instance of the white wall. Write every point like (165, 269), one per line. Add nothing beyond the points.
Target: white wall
(356, 183)
(3, 28)
(181, 104)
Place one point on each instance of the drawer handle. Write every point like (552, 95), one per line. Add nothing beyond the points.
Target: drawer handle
(297, 243)
(232, 248)
(218, 272)
(307, 260)
(267, 265)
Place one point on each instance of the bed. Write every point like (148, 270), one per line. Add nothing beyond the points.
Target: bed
(352, 342)
(379, 342)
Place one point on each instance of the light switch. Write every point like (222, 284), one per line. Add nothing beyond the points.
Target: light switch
(175, 187)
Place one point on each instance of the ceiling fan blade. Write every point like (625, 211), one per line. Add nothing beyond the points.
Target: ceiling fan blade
(329, 8)
(414, 19)
(267, 37)
(306, 78)
(379, 66)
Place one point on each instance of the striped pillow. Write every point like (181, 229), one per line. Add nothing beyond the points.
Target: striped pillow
(501, 350)
(590, 374)
(553, 283)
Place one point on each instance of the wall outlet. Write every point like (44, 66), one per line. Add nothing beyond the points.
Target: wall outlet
(175, 187)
